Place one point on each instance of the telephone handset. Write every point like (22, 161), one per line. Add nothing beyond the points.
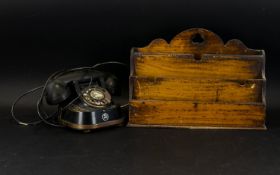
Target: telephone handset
(84, 97)
(59, 87)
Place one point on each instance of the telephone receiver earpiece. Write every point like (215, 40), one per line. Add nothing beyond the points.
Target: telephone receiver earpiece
(57, 92)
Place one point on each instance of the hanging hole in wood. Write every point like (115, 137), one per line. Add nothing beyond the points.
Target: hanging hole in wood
(197, 39)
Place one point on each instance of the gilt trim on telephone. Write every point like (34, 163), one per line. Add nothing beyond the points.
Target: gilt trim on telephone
(83, 97)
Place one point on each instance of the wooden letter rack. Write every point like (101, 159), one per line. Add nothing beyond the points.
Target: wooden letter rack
(197, 81)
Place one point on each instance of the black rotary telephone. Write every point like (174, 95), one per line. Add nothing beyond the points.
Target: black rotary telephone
(83, 97)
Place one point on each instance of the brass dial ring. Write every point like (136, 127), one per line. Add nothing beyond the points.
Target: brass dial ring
(96, 96)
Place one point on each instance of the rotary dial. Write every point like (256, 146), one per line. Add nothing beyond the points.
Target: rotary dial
(96, 96)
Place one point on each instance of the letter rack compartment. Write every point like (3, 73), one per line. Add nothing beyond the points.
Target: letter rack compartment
(197, 81)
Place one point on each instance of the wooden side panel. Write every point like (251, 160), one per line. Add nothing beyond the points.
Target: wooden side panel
(207, 90)
(184, 65)
(182, 113)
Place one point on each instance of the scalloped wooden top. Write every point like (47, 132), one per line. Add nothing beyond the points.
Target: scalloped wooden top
(199, 41)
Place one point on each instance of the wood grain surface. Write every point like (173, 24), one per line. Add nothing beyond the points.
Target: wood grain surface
(207, 90)
(210, 66)
(196, 80)
(210, 43)
(183, 113)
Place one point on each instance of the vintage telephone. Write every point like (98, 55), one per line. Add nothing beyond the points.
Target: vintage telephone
(83, 97)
